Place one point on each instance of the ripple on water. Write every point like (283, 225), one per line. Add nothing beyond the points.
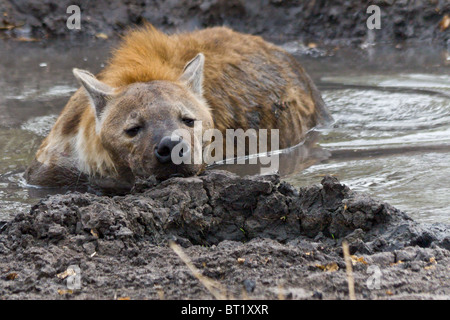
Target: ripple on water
(17, 149)
(32, 93)
(401, 80)
(373, 117)
(40, 125)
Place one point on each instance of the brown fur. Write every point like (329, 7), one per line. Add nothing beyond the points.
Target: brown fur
(233, 60)
(248, 83)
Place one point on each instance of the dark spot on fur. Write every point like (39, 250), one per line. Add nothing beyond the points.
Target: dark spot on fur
(278, 107)
(254, 119)
(71, 124)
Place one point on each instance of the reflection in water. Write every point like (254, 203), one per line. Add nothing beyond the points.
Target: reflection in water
(290, 161)
(391, 137)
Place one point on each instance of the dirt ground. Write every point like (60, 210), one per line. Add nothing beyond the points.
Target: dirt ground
(253, 237)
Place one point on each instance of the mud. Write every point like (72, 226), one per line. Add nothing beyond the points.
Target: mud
(320, 21)
(259, 237)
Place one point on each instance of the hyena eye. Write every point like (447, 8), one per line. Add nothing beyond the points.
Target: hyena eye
(188, 121)
(132, 132)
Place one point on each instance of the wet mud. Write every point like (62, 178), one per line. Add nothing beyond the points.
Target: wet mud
(257, 236)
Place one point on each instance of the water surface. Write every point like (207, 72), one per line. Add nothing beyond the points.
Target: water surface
(391, 136)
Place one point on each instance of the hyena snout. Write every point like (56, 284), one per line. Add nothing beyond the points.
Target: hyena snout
(172, 150)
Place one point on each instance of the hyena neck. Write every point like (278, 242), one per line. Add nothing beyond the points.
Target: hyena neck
(93, 160)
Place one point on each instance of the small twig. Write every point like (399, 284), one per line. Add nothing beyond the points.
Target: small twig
(160, 292)
(348, 264)
(280, 292)
(214, 287)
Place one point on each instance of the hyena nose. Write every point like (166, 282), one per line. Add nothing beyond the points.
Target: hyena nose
(164, 149)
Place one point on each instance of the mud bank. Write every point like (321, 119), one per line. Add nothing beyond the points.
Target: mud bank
(338, 21)
(259, 237)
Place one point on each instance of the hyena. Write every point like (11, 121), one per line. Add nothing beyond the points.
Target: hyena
(116, 127)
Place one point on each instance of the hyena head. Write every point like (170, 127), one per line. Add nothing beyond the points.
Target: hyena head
(143, 125)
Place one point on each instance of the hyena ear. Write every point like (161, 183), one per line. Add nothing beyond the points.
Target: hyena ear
(98, 92)
(193, 74)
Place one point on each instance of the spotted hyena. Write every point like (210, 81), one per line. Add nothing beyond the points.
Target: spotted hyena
(116, 127)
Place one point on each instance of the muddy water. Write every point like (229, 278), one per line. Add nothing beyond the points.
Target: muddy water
(35, 83)
(390, 138)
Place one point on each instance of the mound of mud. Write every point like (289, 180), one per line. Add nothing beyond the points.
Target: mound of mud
(255, 234)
